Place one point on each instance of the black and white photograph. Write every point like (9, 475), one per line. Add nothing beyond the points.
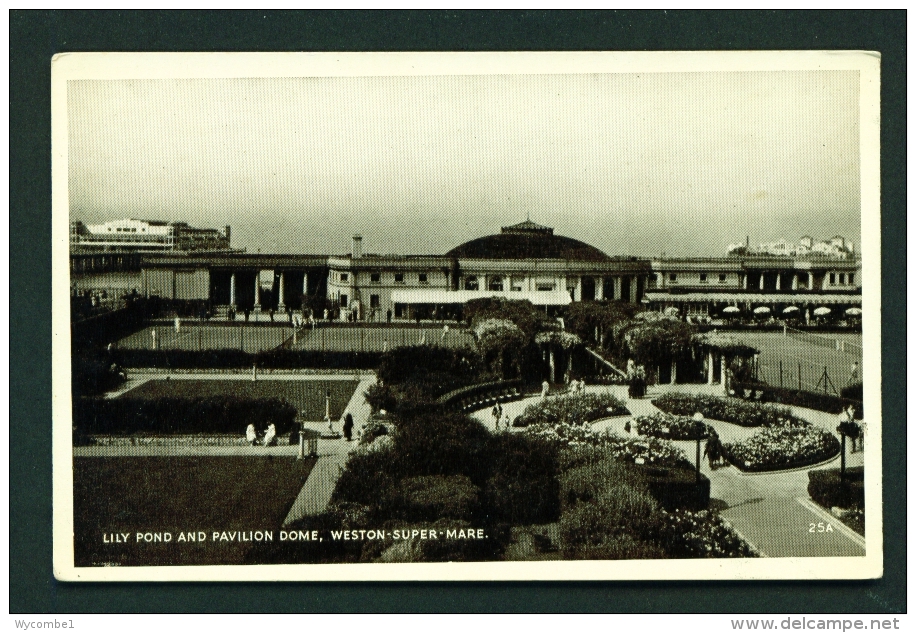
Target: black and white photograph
(516, 316)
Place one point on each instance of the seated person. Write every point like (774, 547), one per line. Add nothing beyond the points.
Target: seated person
(270, 436)
(251, 435)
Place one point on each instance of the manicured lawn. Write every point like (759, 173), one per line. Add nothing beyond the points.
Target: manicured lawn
(128, 495)
(306, 395)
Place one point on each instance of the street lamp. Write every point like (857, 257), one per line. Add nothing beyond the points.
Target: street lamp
(698, 429)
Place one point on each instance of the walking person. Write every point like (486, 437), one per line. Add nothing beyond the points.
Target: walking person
(545, 388)
(853, 374)
(348, 427)
(713, 449)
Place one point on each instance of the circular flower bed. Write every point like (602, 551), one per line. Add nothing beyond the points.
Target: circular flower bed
(573, 409)
(641, 450)
(783, 447)
(670, 427)
(732, 410)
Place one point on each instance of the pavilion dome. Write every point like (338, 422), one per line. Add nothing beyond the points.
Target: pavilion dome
(527, 240)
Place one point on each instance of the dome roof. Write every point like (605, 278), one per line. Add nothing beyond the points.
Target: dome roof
(527, 240)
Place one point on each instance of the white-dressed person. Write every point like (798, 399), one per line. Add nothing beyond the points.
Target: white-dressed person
(270, 436)
(251, 435)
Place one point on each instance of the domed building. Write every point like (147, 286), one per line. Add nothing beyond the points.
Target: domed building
(525, 261)
(527, 240)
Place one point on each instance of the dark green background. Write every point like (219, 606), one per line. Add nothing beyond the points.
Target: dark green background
(36, 36)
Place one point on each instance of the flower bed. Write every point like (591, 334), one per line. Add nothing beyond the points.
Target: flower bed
(669, 427)
(732, 410)
(572, 410)
(701, 535)
(642, 450)
(781, 448)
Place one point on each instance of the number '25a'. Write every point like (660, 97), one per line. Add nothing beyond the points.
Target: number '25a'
(819, 528)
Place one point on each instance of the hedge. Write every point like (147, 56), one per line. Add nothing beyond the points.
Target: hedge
(675, 488)
(807, 399)
(732, 410)
(419, 499)
(238, 359)
(125, 415)
(826, 488)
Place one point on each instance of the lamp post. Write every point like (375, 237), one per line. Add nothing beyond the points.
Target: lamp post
(327, 410)
(698, 429)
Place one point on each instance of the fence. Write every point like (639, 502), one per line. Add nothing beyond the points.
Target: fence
(838, 343)
(805, 376)
(252, 338)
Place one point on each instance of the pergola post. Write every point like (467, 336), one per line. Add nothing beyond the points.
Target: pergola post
(710, 367)
(724, 376)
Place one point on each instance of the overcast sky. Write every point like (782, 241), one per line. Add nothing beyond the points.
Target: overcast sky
(680, 163)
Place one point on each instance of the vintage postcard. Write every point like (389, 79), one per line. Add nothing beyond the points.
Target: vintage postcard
(529, 316)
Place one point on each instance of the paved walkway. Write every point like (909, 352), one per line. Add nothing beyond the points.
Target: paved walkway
(772, 511)
(316, 493)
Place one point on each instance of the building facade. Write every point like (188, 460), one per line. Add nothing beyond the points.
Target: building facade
(523, 261)
(130, 235)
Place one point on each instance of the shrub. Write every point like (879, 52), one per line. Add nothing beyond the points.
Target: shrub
(416, 363)
(572, 409)
(603, 504)
(781, 448)
(852, 392)
(375, 428)
(125, 415)
(826, 488)
(522, 485)
(94, 376)
(677, 487)
(238, 359)
(807, 399)
(586, 481)
(419, 499)
(670, 427)
(731, 410)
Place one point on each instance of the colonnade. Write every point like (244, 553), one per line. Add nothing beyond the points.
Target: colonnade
(281, 290)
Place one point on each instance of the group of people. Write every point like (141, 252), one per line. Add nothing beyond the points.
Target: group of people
(268, 438)
(498, 417)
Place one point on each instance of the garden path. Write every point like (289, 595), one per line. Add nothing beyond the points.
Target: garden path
(772, 511)
(333, 454)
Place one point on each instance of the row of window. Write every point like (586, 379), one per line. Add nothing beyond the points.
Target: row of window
(376, 278)
(704, 278)
(842, 278)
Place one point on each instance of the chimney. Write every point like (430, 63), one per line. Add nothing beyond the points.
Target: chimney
(357, 247)
(228, 233)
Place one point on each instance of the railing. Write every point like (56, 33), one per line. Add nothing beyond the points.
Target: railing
(480, 396)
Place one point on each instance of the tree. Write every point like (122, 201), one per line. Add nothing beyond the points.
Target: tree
(593, 321)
